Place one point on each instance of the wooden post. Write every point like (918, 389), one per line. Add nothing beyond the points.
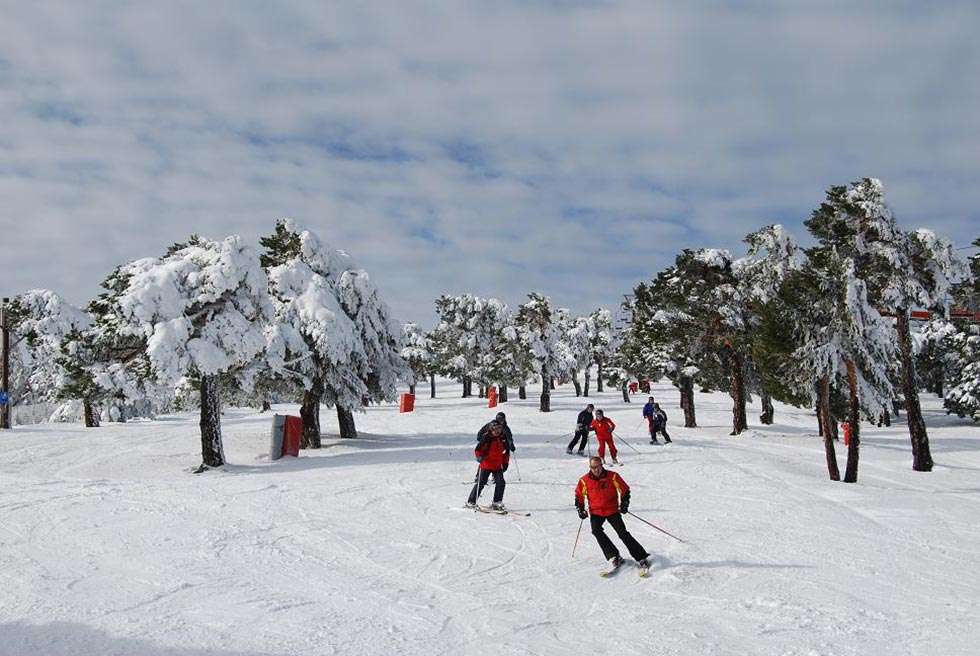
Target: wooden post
(5, 382)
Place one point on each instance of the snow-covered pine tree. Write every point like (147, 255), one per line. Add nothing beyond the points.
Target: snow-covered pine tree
(538, 327)
(42, 322)
(313, 341)
(902, 270)
(772, 256)
(377, 361)
(200, 310)
(576, 333)
(600, 344)
(467, 339)
(636, 354)
(963, 354)
(860, 340)
(708, 319)
(417, 353)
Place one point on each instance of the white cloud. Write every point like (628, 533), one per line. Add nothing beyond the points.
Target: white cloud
(497, 148)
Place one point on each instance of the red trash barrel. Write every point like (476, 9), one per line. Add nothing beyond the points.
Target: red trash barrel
(491, 397)
(407, 403)
(846, 426)
(292, 434)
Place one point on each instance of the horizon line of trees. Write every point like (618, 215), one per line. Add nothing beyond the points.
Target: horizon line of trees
(825, 327)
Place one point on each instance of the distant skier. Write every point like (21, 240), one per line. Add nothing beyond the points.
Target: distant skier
(604, 427)
(583, 424)
(658, 424)
(493, 454)
(648, 415)
(609, 499)
(501, 420)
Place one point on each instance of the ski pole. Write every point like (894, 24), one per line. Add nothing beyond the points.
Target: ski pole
(476, 482)
(627, 443)
(656, 527)
(576, 536)
(560, 437)
(517, 467)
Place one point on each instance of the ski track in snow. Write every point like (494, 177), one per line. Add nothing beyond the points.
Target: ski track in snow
(109, 545)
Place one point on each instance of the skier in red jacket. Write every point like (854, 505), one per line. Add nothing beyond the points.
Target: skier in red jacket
(604, 427)
(609, 499)
(493, 454)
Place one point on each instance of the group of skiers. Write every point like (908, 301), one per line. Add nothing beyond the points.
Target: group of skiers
(606, 492)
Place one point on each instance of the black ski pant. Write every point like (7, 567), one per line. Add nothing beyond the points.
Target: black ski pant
(498, 484)
(609, 550)
(583, 435)
(658, 428)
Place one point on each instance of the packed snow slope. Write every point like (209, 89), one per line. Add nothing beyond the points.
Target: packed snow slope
(108, 545)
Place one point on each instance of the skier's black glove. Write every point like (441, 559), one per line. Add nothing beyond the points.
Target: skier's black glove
(624, 508)
(582, 513)
(505, 467)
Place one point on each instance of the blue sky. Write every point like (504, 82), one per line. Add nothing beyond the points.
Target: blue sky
(571, 148)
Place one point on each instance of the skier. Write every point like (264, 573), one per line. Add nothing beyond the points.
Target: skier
(648, 415)
(583, 424)
(501, 420)
(658, 424)
(493, 454)
(609, 499)
(604, 427)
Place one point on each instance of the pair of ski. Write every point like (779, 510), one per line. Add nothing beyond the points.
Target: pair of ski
(490, 511)
(644, 570)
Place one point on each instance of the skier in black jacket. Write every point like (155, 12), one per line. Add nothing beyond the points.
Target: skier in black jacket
(500, 420)
(658, 424)
(582, 427)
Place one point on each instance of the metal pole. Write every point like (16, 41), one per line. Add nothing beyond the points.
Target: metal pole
(5, 329)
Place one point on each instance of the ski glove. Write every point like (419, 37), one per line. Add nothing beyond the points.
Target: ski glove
(582, 513)
(624, 504)
(504, 467)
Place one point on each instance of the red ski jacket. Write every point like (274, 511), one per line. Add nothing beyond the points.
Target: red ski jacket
(603, 492)
(493, 453)
(603, 428)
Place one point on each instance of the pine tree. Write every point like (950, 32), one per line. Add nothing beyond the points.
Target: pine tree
(199, 311)
(312, 339)
(847, 225)
(537, 324)
(417, 353)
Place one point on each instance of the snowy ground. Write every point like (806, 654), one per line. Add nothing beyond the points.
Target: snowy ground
(109, 546)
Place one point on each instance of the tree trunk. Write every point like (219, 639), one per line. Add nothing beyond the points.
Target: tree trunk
(921, 456)
(432, 386)
(545, 392)
(502, 394)
(482, 390)
(91, 414)
(411, 389)
(626, 392)
(598, 377)
(687, 401)
(345, 419)
(767, 410)
(578, 385)
(588, 379)
(266, 406)
(310, 413)
(522, 392)
(554, 384)
(212, 451)
(854, 419)
(823, 413)
(467, 387)
(739, 422)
